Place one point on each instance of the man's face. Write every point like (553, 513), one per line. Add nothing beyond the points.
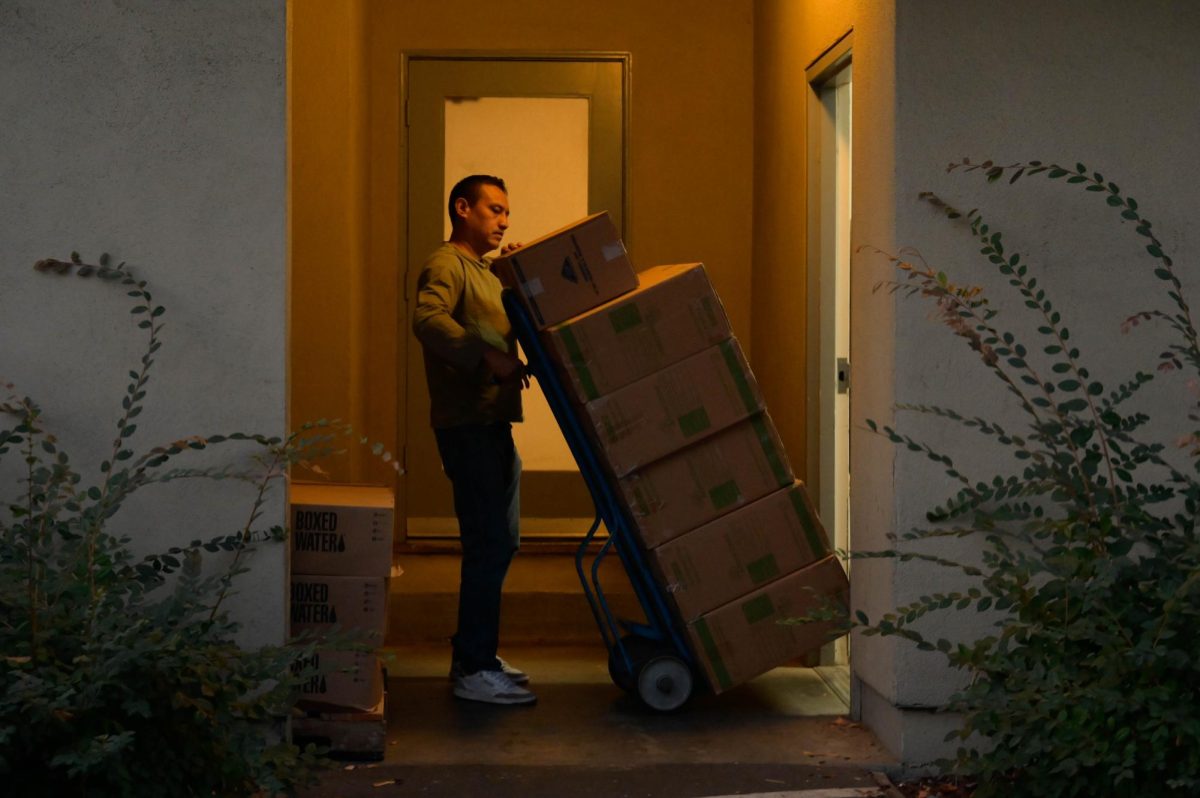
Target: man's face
(484, 223)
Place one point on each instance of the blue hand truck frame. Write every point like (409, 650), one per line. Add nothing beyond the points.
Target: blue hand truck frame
(650, 659)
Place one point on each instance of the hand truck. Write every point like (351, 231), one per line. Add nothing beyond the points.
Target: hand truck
(651, 660)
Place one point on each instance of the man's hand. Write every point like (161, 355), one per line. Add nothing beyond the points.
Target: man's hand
(508, 249)
(505, 367)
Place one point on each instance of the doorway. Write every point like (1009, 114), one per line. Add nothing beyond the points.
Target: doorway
(554, 128)
(830, 166)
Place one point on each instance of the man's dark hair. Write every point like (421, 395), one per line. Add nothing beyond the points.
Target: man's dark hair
(468, 189)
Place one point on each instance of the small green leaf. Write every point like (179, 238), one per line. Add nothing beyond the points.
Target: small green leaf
(1073, 405)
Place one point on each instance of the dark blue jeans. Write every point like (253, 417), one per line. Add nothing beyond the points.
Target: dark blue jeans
(485, 470)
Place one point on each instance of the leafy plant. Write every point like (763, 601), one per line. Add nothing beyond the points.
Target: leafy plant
(1089, 560)
(120, 675)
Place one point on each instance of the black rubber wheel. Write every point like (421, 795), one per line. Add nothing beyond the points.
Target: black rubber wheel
(617, 672)
(640, 651)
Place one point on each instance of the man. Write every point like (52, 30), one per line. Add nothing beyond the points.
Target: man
(475, 381)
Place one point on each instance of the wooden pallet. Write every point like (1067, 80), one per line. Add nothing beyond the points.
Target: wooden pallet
(358, 736)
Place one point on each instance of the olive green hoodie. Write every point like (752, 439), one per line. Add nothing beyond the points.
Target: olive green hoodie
(458, 314)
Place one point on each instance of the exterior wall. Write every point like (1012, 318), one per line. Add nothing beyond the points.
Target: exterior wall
(155, 132)
(691, 151)
(1114, 94)
(327, 191)
(1105, 83)
(1099, 82)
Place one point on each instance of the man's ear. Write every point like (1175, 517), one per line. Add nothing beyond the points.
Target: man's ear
(461, 207)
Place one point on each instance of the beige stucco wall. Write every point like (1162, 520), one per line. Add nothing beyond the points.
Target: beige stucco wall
(155, 132)
(1110, 84)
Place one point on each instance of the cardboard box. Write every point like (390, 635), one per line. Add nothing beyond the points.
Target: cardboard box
(340, 680)
(741, 639)
(344, 733)
(718, 475)
(674, 313)
(672, 408)
(321, 603)
(569, 271)
(341, 530)
(741, 551)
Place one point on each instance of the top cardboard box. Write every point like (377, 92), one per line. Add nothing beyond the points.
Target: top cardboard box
(674, 313)
(569, 271)
(341, 530)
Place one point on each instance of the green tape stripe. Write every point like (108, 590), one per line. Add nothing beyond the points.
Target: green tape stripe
(578, 362)
(816, 541)
(758, 608)
(693, 422)
(625, 318)
(782, 473)
(764, 569)
(724, 495)
(729, 350)
(714, 656)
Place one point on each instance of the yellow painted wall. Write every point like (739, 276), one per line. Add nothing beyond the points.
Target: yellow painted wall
(327, 192)
(691, 151)
(789, 36)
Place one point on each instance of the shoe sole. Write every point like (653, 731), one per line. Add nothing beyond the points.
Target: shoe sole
(519, 681)
(497, 700)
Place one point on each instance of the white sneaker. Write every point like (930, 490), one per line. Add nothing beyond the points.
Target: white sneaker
(517, 675)
(492, 687)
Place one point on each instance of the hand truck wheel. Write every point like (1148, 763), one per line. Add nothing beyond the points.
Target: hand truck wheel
(664, 682)
(617, 672)
(640, 650)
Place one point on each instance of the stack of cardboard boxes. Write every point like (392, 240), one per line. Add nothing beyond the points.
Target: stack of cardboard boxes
(341, 563)
(679, 422)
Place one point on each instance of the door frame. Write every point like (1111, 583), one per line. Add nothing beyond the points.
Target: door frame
(819, 73)
(406, 342)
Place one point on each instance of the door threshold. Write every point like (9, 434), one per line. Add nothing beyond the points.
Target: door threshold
(529, 546)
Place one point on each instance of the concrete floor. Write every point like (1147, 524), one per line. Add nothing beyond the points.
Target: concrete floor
(783, 731)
